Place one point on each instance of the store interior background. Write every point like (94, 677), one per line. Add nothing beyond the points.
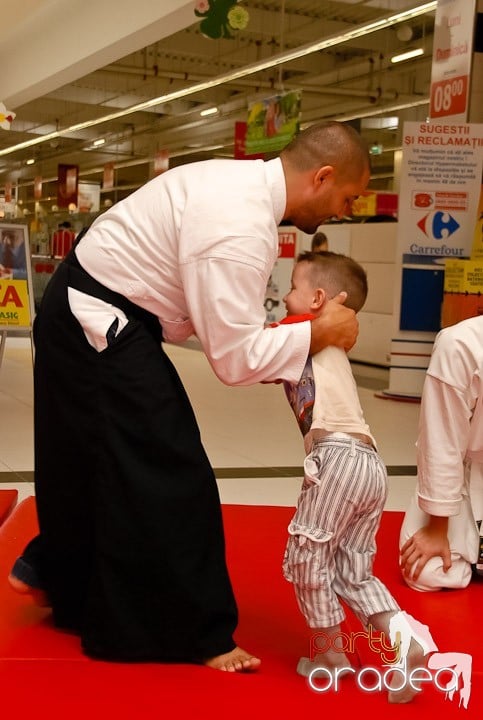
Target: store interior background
(70, 70)
(100, 85)
(74, 76)
(67, 64)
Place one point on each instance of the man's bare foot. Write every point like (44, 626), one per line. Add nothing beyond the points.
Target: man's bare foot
(237, 660)
(39, 596)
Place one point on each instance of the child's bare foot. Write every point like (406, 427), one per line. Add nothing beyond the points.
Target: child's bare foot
(403, 694)
(39, 596)
(237, 660)
(306, 666)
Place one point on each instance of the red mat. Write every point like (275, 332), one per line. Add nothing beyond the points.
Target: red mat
(8, 500)
(43, 673)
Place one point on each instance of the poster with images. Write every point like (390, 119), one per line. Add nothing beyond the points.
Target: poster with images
(16, 298)
(272, 122)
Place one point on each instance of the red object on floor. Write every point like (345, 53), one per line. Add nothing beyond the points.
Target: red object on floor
(43, 673)
(8, 500)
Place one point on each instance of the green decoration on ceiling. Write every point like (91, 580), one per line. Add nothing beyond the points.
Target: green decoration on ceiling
(221, 18)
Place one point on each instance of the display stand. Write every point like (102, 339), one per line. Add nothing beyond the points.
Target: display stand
(16, 290)
(3, 340)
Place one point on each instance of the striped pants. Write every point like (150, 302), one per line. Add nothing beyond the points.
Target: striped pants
(331, 546)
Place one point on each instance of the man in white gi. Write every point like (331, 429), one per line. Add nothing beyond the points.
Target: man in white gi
(131, 548)
(440, 540)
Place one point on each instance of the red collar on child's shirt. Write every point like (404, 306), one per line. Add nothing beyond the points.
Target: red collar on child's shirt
(297, 318)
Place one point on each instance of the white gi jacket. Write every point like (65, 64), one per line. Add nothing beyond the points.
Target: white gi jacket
(450, 452)
(195, 246)
(451, 420)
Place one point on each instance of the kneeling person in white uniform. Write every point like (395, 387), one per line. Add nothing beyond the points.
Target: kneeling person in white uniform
(439, 541)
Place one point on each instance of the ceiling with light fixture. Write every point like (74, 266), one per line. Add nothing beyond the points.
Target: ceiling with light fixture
(324, 48)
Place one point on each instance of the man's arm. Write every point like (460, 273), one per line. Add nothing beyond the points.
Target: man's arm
(337, 325)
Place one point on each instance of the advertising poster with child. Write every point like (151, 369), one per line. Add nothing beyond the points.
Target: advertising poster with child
(15, 278)
(272, 122)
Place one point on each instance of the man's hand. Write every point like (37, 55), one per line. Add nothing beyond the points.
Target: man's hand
(337, 325)
(430, 541)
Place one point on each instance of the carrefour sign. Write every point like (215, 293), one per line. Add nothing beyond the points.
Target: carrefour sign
(440, 188)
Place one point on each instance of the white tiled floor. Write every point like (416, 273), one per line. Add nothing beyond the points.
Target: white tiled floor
(243, 429)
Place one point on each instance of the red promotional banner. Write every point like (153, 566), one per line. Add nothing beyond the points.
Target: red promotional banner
(449, 97)
(67, 185)
(453, 42)
(37, 188)
(286, 244)
(108, 176)
(161, 162)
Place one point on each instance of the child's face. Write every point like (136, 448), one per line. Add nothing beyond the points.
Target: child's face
(299, 300)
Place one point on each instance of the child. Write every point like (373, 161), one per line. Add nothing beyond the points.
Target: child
(331, 543)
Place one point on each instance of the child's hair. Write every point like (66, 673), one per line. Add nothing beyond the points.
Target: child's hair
(334, 272)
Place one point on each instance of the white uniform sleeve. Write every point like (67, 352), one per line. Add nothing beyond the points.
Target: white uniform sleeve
(444, 429)
(225, 298)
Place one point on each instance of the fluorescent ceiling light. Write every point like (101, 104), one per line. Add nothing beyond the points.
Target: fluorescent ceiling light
(407, 55)
(274, 61)
(30, 161)
(372, 112)
(384, 123)
(209, 111)
(99, 141)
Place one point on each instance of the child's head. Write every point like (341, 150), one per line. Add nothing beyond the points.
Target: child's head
(320, 276)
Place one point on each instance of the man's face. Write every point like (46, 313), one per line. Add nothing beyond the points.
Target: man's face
(298, 300)
(329, 197)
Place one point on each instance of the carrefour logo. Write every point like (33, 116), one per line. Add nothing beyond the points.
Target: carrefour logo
(438, 225)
